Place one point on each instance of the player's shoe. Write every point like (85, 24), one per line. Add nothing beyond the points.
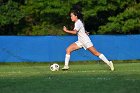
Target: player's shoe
(65, 67)
(111, 66)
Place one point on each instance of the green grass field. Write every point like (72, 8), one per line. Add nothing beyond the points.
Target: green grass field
(86, 77)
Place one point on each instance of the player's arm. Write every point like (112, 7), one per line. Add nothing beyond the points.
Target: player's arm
(69, 31)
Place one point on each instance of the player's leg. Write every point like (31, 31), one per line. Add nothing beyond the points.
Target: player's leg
(71, 48)
(101, 56)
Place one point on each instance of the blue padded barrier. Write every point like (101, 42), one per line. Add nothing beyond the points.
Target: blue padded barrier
(52, 48)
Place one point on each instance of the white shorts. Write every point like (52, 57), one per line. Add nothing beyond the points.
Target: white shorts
(84, 45)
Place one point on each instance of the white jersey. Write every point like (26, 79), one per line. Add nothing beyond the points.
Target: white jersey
(82, 36)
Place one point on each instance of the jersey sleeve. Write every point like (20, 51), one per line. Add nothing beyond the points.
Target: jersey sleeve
(77, 26)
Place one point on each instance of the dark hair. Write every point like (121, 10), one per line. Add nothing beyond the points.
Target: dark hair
(78, 14)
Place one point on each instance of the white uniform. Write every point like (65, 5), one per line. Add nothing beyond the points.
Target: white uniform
(83, 39)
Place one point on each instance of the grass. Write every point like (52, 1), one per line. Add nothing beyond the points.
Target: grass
(86, 77)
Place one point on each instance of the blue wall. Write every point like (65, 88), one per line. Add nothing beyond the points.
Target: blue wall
(52, 48)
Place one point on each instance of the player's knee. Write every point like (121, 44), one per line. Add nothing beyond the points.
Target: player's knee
(68, 51)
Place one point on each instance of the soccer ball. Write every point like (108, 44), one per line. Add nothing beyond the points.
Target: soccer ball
(54, 67)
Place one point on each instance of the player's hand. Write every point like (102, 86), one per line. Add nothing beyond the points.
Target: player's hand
(87, 33)
(65, 29)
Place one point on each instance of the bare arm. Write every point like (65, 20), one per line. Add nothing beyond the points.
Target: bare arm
(69, 31)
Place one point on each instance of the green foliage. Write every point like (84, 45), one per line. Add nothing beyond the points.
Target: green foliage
(47, 17)
(124, 22)
(10, 13)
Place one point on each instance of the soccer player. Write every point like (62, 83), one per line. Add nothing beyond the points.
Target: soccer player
(83, 41)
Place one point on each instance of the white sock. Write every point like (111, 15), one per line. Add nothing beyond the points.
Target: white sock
(102, 57)
(67, 58)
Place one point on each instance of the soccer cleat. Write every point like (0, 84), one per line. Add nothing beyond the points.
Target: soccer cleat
(111, 66)
(65, 67)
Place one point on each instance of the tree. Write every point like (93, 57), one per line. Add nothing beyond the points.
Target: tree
(127, 22)
(10, 15)
(98, 15)
(47, 17)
